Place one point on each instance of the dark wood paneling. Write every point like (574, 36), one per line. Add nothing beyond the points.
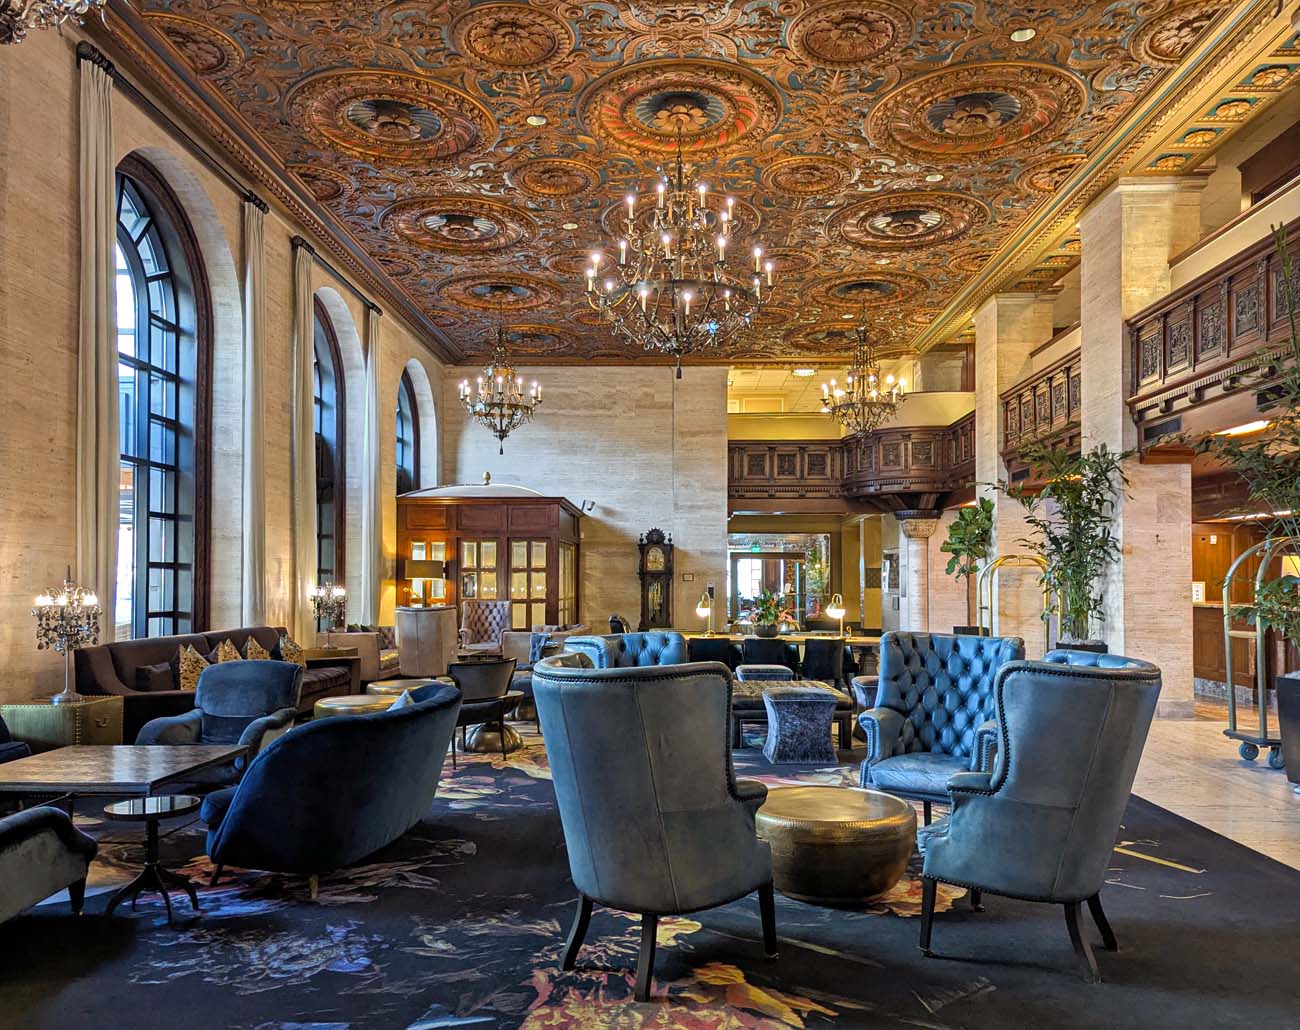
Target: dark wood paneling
(1045, 407)
(482, 518)
(531, 519)
(424, 516)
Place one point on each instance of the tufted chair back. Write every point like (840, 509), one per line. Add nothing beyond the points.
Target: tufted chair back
(631, 650)
(483, 622)
(942, 685)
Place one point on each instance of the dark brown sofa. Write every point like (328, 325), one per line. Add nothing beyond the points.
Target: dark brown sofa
(132, 669)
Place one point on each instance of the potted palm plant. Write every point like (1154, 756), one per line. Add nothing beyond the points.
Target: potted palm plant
(768, 613)
(1072, 514)
(970, 542)
(818, 575)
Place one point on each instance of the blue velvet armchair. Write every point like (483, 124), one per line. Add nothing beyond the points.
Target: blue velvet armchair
(247, 703)
(631, 650)
(654, 820)
(11, 749)
(41, 853)
(1042, 825)
(335, 790)
(933, 715)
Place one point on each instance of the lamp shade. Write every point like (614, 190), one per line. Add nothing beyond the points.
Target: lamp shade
(705, 606)
(836, 608)
(423, 568)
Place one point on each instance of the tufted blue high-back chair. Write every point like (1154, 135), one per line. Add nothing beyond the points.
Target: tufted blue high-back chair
(631, 650)
(934, 711)
(1042, 825)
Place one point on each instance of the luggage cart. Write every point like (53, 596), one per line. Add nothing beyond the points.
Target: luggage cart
(987, 579)
(1250, 743)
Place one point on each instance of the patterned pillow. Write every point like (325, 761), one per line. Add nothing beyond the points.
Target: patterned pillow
(191, 666)
(228, 652)
(291, 652)
(387, 637)
(255, 652)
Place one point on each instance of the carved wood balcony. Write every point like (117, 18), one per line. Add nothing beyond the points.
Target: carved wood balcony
(1044, 408)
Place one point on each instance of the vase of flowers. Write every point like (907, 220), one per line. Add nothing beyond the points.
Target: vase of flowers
(768, 613)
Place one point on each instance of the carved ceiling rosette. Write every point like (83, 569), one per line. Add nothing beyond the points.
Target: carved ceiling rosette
(326, 185)
(553, 177)
(458, 223)
(855, 291)
(850, 34)
(209, 51)
(1164, 39)
(909, 219)
(807, 175)
(1046, 176)
(498, 292)
(986, 109)
(528, 340)
(788, 261)
(511, 37)
(643, 107)
(390, 117)
(837, 339)
(399, 266)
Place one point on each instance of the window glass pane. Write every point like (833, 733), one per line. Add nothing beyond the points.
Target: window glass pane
(125, 550)
(539, 614)
(152, 255)
(519, 616)
(162, 443)
(519, 554)
(161, 300)
(162, 491)
(488, 554)
(162, 396)
(162, 540)
(488, 586)
(518, 584)
(162, 347)
(469, 554)
(126, 410)
(161, 591)
(539, 584)
(469, 585)
(539, 554)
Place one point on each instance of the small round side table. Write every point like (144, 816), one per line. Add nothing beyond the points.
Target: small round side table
(351, 704)
(150, 811)
(496, 735)
(393, 689)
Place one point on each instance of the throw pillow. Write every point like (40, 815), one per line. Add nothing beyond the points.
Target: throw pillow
(255, 652)
(155, 677)
(228, 652)
(387, 637)
(405, 701)
(191, 666)
(290, 652)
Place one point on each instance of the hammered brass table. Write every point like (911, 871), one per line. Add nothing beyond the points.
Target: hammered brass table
(836, 845)
(351, 704)
(394, 688)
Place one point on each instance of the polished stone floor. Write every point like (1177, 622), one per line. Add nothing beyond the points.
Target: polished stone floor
(1192, 769)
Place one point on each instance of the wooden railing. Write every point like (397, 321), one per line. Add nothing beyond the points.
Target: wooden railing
(1044, 407)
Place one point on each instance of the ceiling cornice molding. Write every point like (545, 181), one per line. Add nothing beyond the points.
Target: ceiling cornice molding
(124, 33)
(1213, 58)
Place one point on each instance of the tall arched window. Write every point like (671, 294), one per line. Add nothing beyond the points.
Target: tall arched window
(408, 437)
(164, 345)
(327, 375)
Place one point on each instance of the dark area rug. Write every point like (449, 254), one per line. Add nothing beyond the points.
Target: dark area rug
(461, 924)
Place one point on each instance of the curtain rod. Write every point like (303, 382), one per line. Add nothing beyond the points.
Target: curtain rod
(299, 241)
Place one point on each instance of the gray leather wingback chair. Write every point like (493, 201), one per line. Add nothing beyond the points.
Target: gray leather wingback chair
(654, 819)
(933, 713)
(1042, 825)
(41, 853)
(628, 650)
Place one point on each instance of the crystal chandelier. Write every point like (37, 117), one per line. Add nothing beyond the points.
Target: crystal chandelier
(497, 400)
(674, 286)
(866, 401)
(17, 16)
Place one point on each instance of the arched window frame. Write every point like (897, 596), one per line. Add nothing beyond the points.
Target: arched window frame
(408, 436)
(331, 453)
(186, 287)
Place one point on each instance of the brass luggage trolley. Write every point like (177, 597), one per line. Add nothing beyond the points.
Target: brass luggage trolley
(1273, 547)
(987, 578)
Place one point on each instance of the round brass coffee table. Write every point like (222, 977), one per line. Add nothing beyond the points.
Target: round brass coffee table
(393, 689)
(836, 845)
(351, 704)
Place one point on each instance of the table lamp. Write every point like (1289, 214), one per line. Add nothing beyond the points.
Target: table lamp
(704, 609)
(330, 603)
(419, 569)
(836, 610)
(66, 619)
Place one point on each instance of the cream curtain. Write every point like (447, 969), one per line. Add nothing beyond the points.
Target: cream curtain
(253, 605)
(303, 452)
(98, 445)
(372, 505)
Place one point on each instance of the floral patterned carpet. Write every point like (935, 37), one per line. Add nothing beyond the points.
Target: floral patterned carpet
(461, 924)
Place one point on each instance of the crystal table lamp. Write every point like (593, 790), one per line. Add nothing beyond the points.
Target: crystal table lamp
(66, 619)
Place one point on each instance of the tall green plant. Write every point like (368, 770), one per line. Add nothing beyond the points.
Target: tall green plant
(1073, 514)
(818, 573)
(970, 539)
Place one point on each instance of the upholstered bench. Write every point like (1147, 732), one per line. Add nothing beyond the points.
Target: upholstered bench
(798, 725)
(764, 673)
(747, 706)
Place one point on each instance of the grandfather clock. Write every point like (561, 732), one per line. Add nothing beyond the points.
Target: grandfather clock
(656, 580)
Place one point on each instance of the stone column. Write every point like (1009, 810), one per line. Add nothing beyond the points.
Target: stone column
(1007, 329)
(917, 527)
(1128, 237)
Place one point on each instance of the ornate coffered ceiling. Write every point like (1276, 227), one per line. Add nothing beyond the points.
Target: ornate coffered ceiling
(886, 149)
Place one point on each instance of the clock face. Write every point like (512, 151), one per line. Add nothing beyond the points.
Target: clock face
(654, 559)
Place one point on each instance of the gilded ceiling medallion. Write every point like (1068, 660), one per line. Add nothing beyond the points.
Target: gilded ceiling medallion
(787, 261)
(457, 223)
(399, 266)
(835, 339)
(389, 116)
(532, 340)
(205, 49)
(572, 264)
(970, 263)
(776, 318)
(511, 37)
(711, 104)
(983, 109)
(556, 177)
(1047, 175)
(855, 291)
(806, 175)
(326, 185)
(850, 34)
(498, 291)
(1164, 40)
(909, 219)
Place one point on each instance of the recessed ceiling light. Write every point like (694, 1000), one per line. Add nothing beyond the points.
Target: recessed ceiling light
(569, 225)
(1023, 35)
(846, 317)
(803, 373)
(536, 120)
(934, 177)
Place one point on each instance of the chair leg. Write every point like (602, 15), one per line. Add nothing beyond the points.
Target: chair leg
(581, 920)
(217, 870)
(976, 899)
(925, 812)
(453, 748)
(313, 885)
(645, 963)
(1103, 924)
(767, 911)
(77, 896)
(1082, 948)
(929, 890)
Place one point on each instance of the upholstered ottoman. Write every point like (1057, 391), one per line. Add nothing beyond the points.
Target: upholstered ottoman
(752, 673)
(747, 706)
(798, 726)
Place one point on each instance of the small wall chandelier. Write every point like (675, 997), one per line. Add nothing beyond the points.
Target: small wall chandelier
(497, 400)
(675, 287)
(866, 401)
(18, 16)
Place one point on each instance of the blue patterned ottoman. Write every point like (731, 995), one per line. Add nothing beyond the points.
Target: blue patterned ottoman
(799, 725)
(752, 673)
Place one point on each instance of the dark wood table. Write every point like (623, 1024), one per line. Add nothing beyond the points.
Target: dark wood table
(109, 769)
(747, 706)
(151, 811)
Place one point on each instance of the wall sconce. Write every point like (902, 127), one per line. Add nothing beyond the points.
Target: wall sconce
(836, 610)
(420, 569)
